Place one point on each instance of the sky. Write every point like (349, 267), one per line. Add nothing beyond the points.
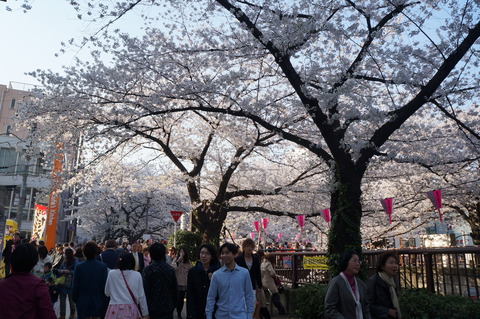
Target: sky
(30, 40)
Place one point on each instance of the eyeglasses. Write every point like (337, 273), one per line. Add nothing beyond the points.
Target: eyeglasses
(356, 261)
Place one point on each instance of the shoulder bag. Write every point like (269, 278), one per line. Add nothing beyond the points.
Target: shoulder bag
(131, 295)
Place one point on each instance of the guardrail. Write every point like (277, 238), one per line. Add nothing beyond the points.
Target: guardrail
(452, 271)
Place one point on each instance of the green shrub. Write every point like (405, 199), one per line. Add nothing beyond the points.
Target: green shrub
(308, 301)
(420, 304)
(190, 240)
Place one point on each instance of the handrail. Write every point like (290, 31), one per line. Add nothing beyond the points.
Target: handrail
(449, 270)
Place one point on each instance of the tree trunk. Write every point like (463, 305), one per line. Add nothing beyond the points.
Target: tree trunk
(346, 210)
(474, 222)
(475, 234)
(207, 220)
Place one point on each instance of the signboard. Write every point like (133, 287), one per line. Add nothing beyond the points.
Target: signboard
(315, 262)
(54, 201)
(39, 222)
(287, 262)
(176, 215)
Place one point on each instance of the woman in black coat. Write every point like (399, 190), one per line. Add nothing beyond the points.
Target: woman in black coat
(198, 281)
(381, 289)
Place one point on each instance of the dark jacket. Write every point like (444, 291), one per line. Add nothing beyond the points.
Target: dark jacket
(109, 257)
(378, 298)
(25, 296)
(88, 288)
(160, 285)
(7, 251)
(255, 272)
(198, 282)
(9, 248)
(71, 268)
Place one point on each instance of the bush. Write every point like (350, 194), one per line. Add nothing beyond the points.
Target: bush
(309, 300)
(420, 304)
(415, 304)
(190, 240)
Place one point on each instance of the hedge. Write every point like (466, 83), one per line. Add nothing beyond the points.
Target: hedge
(415, 304)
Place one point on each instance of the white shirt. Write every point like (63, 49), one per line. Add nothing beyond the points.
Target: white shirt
(38, 269)
(117, 290)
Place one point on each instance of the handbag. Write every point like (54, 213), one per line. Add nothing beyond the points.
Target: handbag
(278, 283)
(256, 311)
(68, 280)
(60, 281)
(132, 295)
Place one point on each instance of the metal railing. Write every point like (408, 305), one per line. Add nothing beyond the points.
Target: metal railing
(447, 271)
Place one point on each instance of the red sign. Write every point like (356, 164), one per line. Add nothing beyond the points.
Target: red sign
(176, 215)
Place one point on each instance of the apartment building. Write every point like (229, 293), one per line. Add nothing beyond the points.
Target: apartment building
(20, 182)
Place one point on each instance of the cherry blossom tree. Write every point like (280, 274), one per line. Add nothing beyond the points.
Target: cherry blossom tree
(118, 199)
(357, 75)
(125, 107)
(349, 81)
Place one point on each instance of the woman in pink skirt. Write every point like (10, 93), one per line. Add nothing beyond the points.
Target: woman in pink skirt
(125, 289)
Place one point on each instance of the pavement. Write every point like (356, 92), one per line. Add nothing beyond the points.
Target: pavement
(274, 313)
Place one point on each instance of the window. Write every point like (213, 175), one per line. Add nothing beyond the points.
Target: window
(8, 131)
(11, 203)
(12, 104)
(8, 160)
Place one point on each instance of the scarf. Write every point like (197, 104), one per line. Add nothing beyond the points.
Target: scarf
(356, 296)
(393, 294)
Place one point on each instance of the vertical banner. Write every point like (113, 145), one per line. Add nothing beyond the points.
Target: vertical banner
(326, 215)
(387, 204)
(54, 200)
(436, 199)
(39, 222)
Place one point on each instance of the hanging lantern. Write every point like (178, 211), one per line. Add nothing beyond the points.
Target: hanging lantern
(436, 199)
(387, 204)
(264, 223)
(326, 214)
(301, 220)
(256, 224)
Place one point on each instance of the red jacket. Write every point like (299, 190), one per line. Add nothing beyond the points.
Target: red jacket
(24, 296)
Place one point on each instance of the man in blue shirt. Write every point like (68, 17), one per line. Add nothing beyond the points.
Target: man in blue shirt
(230, 289)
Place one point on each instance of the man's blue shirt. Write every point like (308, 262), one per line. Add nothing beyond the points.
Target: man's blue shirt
(231, 291)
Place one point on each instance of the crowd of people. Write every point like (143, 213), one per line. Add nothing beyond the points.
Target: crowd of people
(145, 280)
(142, 280)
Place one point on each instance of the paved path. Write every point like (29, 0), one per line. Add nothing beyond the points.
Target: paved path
(274, 313)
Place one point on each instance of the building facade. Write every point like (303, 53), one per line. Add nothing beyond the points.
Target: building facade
(21, 179)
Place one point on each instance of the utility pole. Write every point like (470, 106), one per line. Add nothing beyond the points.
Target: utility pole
(23, 187)
(23, 194)
(147, 209)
